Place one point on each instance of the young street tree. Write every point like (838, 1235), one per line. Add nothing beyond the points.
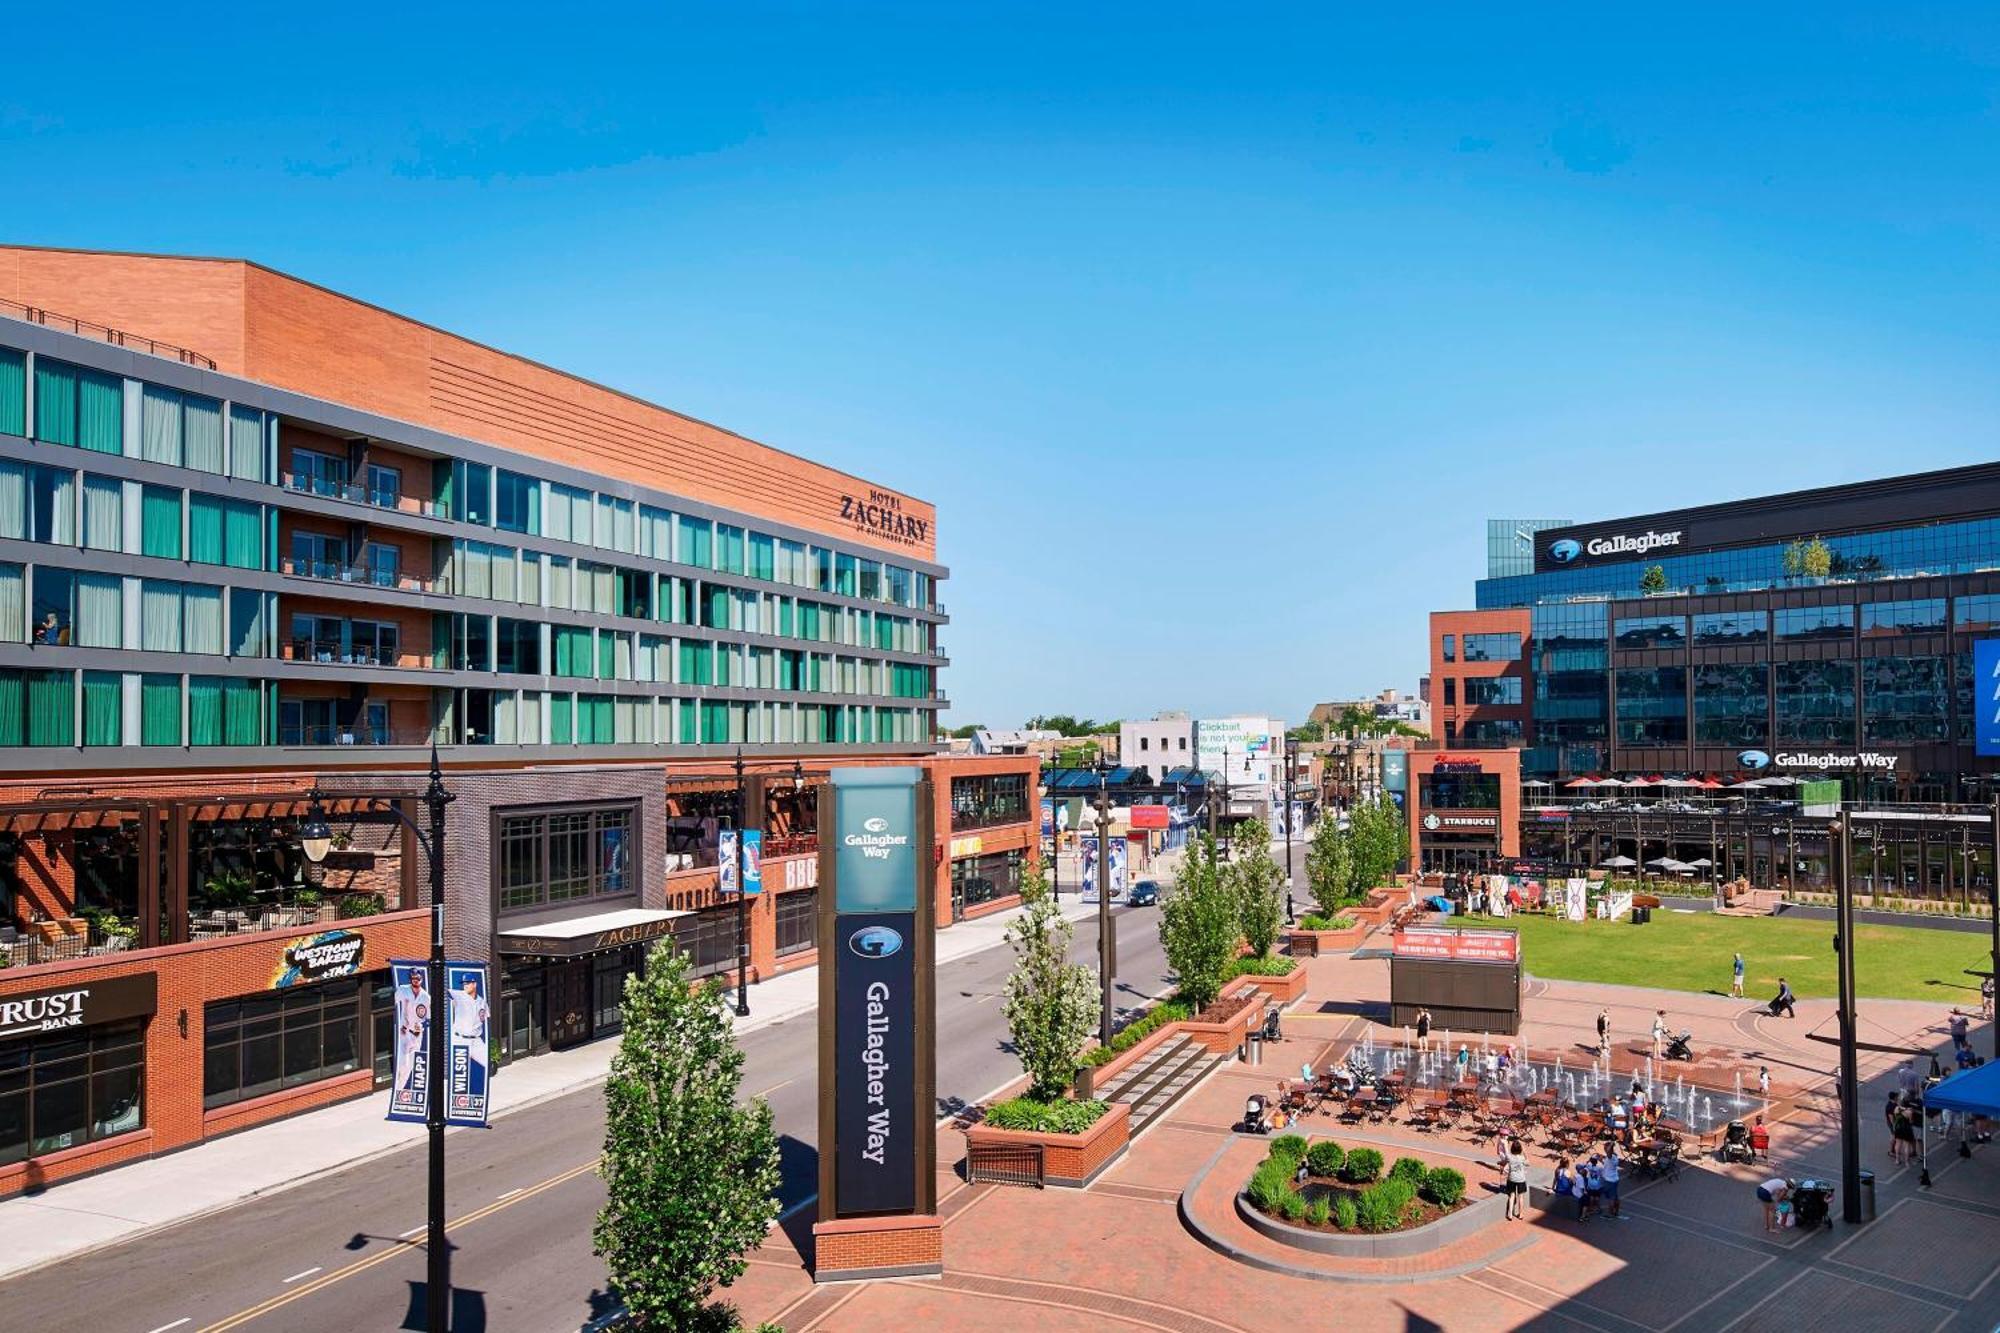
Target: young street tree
(1051, 1003)
(691, 1177)
(1200, 924)
(1253, 878)
(1380, 840)
(1330, 865)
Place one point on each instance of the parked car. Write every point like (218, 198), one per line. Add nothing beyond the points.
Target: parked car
(1146, 893)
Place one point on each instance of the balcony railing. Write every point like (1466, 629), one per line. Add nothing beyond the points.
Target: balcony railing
(332, 654)
(116, 337)
(355, 493)
(334, 571)
(358, 733)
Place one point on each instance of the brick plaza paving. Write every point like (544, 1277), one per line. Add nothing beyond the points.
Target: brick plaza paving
(1691, 1255)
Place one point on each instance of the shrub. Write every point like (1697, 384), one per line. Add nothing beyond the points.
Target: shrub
(1320, 1211)
(1292, 1207)
(1290, 1147)
(1269, 1185)
(1345, 1215)
(1276, 965)
(1363, 1165)
(1324, 1158)
(1382, 1205)
(1411, 1169)
(1059, 1116)
(1161, 1014)
(359, 904)
(1314, 922)
(1444, 1187)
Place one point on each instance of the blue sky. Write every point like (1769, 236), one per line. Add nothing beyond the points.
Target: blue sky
(1214, 332)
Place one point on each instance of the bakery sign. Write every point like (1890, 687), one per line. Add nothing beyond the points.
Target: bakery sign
(321, 957)
(85, 1004)
(880, 514)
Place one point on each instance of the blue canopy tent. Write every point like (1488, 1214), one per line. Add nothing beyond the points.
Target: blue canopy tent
(1969, 1091)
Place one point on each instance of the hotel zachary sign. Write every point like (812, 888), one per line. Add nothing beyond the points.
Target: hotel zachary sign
(880, 514)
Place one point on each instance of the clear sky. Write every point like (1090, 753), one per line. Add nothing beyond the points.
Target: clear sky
(1215, 332)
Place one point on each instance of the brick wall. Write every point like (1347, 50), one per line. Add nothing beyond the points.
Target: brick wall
(874, 1244)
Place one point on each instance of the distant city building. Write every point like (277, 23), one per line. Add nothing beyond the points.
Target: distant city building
(1510, 544)
(1385, 706)
(985, 741)
(1166, 740)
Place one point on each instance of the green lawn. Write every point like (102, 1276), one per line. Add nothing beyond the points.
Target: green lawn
(1690, 951)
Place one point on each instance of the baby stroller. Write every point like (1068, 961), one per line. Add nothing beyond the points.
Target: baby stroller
(1271, 1032)
(1736, 1143)
(1812, 1204)
(1681, 1047)
(1256, 1115)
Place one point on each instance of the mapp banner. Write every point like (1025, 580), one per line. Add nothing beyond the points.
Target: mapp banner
(876, 1116)
(471, 1045)
(875, 832)
(410, 1089)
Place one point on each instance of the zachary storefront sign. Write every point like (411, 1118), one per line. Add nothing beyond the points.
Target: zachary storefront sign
(102, 1001)
(880, 514)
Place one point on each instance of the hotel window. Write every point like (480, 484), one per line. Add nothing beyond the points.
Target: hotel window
(1923, 615)
(160, 710)
(61, 1091)
(318, 474)
(385, 486)
(1807, 624)
(1481, 691)
(728, 548)
(518, 645)
(615, 531)
(763, 557)
(656, 533)
(845, 575)
(225, 711)
(79, 407)
(13, 603)
(103, 708)
(180, 429)
(231, 532)
(160, 522)
(103, 513)
(38, 504)
(868, 580)
(246, 443)
(561, 856)
(37, 708)
(517, 502)
(1720, 628)
(468, 490)
(253, 616)
(1651, 632)
(260, 1044)
(695, 541)
(575, 656)
(13, 393)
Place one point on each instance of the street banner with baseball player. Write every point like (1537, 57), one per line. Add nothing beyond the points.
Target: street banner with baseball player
(471, 1048)
(409, 1092)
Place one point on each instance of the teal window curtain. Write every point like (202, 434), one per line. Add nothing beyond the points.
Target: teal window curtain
(243, 535)
(160, 522)
(160, 710)
(696, 536)
(55, 402)
(13, 604)
(103, 513)
(763, 556)
(160, 616)
(607, 656)
(100, 413)
(160, 426)
(243, 712)
(13, 708)
(100, 611)
(103, 708)
(201, 434)
(51, 708)
(561, 730)
(14, 501)
(246, 443)
(204, 710)
(728, 548)
(205, 529)
(13, 393)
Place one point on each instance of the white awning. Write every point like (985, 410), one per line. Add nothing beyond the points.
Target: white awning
(577, 935)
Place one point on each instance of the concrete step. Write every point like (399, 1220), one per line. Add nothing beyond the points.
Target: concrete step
(1192, 1068)
(1115, 1092)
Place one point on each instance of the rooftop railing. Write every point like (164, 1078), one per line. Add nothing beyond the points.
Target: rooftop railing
(116, 337)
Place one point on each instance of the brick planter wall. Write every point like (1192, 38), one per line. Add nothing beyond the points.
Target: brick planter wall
(859, 1248)
(1313, 943)
(1091, 1077)
(1223, 1038)
(1068, 1160)
(1283, 989)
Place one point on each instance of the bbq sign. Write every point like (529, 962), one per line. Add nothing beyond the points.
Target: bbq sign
(880, 514)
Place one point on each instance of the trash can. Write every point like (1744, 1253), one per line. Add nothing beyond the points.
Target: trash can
(1253, 1049)
(1868, 1196)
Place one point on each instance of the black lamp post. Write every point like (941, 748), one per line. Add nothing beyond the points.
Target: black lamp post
(1107, 939)
(742, 898)
(1290, 915)
(315, 839)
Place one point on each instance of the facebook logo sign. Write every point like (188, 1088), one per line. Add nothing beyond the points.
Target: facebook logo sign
(1986, 696)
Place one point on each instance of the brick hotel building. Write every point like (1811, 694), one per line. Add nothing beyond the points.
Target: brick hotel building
(257, 537)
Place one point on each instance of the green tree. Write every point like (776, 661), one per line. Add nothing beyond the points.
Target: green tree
(1077, 756)
(1654, 579)
(1200, 925)
(1064, 725)
(1051, 1003)
(690, 1176)
(1381, 839)
(1817, 559)
(1307, 731)
(1356, 721)
(1795, 557)
(964, 733)
(1330, 865)
(1253, 877)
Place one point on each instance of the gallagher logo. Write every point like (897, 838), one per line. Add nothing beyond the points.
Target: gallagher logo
(874, 942)
(1565, 551)
(1753, 759)
(877, 824)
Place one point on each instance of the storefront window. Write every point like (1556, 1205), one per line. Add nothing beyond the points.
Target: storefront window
(981, 802)
(561, 856)
(798, 921)
(58, 1093)
(259, 1044)
(1459, 791)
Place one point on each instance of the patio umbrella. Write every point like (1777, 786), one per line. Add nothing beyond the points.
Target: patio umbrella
(1611, 782)
(1700, 863)
(1663, 862)
(1535, 782)
(1580, 782)
(1778, 781)
(1618, 862)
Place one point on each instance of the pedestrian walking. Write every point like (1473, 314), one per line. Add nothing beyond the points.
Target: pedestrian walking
(1515, 1167)
(1736, 978)
(1659, 1035)
(1423, 1029)
(1764, 1082)
(1986, 998)
(1608, 1177)
(1604, 1035)
(1784, 1001)
(1960, 1028)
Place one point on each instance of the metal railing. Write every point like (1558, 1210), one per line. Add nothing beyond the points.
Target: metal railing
(357, 734)
(334, 571)
(116, 337)
(355, 493)
(331, 654)
(1004, 1164)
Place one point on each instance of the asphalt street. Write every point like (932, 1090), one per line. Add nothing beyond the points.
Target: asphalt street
(332, 1254)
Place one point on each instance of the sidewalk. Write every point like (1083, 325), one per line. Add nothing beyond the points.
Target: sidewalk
(90, 1213)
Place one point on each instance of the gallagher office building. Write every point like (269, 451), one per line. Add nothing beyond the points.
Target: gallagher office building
(257, 537)
(1819, 634)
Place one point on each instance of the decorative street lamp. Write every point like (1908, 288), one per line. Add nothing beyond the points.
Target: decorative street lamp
(315, 840)
(742, 898)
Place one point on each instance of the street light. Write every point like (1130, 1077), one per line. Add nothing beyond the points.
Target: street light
(742, 898)
(315, 840)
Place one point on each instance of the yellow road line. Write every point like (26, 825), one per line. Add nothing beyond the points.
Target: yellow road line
(362, 1265)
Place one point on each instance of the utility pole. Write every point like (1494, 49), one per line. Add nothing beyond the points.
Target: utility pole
(1107, 938)
(1290, 917)
(1850, 1091)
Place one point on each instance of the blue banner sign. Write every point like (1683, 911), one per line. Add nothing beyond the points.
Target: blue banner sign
(410, 1089)
(1986, 696)
(471, 1044)
(753, 861)
(875, 833)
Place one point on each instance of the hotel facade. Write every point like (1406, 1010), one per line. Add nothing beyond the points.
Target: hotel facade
(256, 538)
